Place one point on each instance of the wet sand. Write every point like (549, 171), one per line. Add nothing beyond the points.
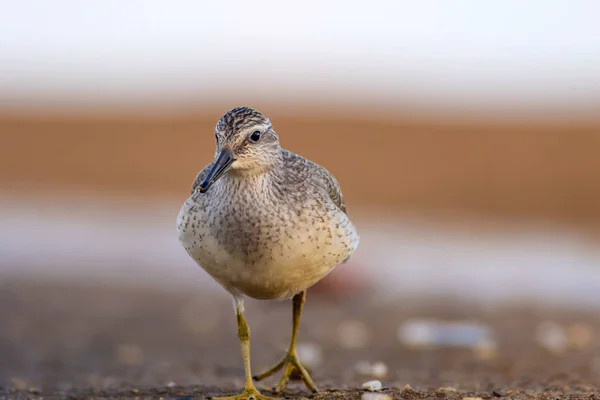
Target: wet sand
(80, 341)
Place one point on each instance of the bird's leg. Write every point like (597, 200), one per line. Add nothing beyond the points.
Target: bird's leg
(290, 362)
(250, 391)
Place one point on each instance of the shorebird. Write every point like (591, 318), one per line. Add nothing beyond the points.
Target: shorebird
(267, 224)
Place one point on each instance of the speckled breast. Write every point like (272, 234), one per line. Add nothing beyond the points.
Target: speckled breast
(267, 249)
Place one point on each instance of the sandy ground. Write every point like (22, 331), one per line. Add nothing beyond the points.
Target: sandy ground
(79, 341)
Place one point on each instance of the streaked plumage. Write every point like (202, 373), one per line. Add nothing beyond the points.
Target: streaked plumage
(264, 223)
(267, 235)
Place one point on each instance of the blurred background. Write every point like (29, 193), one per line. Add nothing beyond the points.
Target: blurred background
(465, 136)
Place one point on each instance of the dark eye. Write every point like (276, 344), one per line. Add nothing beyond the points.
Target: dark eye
(255, 136)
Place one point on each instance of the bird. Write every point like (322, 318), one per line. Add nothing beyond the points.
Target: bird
(267, 224)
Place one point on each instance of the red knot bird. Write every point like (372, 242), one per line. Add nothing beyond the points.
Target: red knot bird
(264, 223)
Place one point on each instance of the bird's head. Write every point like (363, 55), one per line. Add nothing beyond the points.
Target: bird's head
(246, 144)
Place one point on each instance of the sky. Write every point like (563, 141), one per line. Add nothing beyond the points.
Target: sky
(462, 53)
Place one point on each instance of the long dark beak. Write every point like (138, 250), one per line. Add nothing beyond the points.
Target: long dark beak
(221, 165)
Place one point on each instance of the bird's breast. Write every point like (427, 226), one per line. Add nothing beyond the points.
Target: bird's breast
(267, 249)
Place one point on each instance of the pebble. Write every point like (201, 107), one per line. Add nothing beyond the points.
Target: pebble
(551, 336)
(353, 334)
(434, 333)
(446, 389)
(375, 396)
(377, 369)
(407, 388)
(472, 398)
(310, 354)
(372, 386)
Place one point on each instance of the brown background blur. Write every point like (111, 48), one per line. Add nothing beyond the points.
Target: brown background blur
(515, 167)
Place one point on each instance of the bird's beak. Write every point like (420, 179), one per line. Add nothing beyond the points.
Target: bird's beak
(221, 165)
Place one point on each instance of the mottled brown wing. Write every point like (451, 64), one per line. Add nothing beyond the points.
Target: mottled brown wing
(335, 191)
(333, 187)
(304, 169)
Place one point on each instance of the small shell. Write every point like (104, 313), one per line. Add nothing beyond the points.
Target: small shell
(407, 388)
(372, 386)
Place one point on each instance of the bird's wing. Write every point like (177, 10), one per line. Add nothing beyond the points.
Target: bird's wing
(302, 169)
(200, 177)
(332, 186)
(334, 190)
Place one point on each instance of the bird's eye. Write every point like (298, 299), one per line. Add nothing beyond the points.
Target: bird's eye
(255, 136)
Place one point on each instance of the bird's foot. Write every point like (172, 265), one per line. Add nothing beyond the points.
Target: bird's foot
(291, 367)
(249, 394)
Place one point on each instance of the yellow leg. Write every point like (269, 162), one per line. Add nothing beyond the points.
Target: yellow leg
(291, 361)
(250, 391)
